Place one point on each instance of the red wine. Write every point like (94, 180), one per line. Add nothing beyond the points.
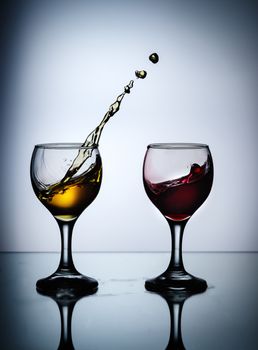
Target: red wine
(178, 199)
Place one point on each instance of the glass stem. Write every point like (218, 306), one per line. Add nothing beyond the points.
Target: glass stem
(176, 262)
(66, 260)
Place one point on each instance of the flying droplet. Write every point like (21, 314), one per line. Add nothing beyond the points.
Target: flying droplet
(154, 58)
(141, 74)
(127, 89)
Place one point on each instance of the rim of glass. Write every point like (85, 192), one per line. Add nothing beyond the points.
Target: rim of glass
(177, 145)
(64, 145)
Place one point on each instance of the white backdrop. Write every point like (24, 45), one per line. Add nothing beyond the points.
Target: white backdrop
(67, 63)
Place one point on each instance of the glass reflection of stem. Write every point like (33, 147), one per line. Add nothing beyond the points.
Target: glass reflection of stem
(66, 301)
(175, 301)
(66, 310)
(175, 308)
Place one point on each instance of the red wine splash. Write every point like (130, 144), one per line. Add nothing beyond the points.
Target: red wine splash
(178, 199)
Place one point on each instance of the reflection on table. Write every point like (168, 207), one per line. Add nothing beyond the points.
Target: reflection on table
(122, 314)
(66, 303)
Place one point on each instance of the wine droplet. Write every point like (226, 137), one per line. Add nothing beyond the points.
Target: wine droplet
(141, 74)
(154, 58)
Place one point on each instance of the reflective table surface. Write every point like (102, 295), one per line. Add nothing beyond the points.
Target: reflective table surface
(122, 314)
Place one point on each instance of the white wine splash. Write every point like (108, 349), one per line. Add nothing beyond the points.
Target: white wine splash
(94, 137)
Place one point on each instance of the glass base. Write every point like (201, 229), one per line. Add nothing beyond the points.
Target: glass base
(178, 282)
(67, 284)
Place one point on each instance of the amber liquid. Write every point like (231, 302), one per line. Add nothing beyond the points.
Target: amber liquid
(69, 199)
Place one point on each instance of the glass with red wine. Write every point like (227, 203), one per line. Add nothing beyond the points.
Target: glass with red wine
(177, 179)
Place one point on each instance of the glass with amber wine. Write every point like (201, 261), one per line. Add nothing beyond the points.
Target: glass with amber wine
(66, 194)
(177, 179)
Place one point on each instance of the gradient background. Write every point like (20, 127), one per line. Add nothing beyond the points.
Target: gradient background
(64, 63)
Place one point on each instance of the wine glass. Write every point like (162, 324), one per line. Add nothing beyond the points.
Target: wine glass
(177, 179)
(66, 193)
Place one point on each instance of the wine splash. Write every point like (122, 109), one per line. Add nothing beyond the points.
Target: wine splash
(178, 199)
(94, 137)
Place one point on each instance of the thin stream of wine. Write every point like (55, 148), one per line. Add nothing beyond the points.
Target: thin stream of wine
(93, 138)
